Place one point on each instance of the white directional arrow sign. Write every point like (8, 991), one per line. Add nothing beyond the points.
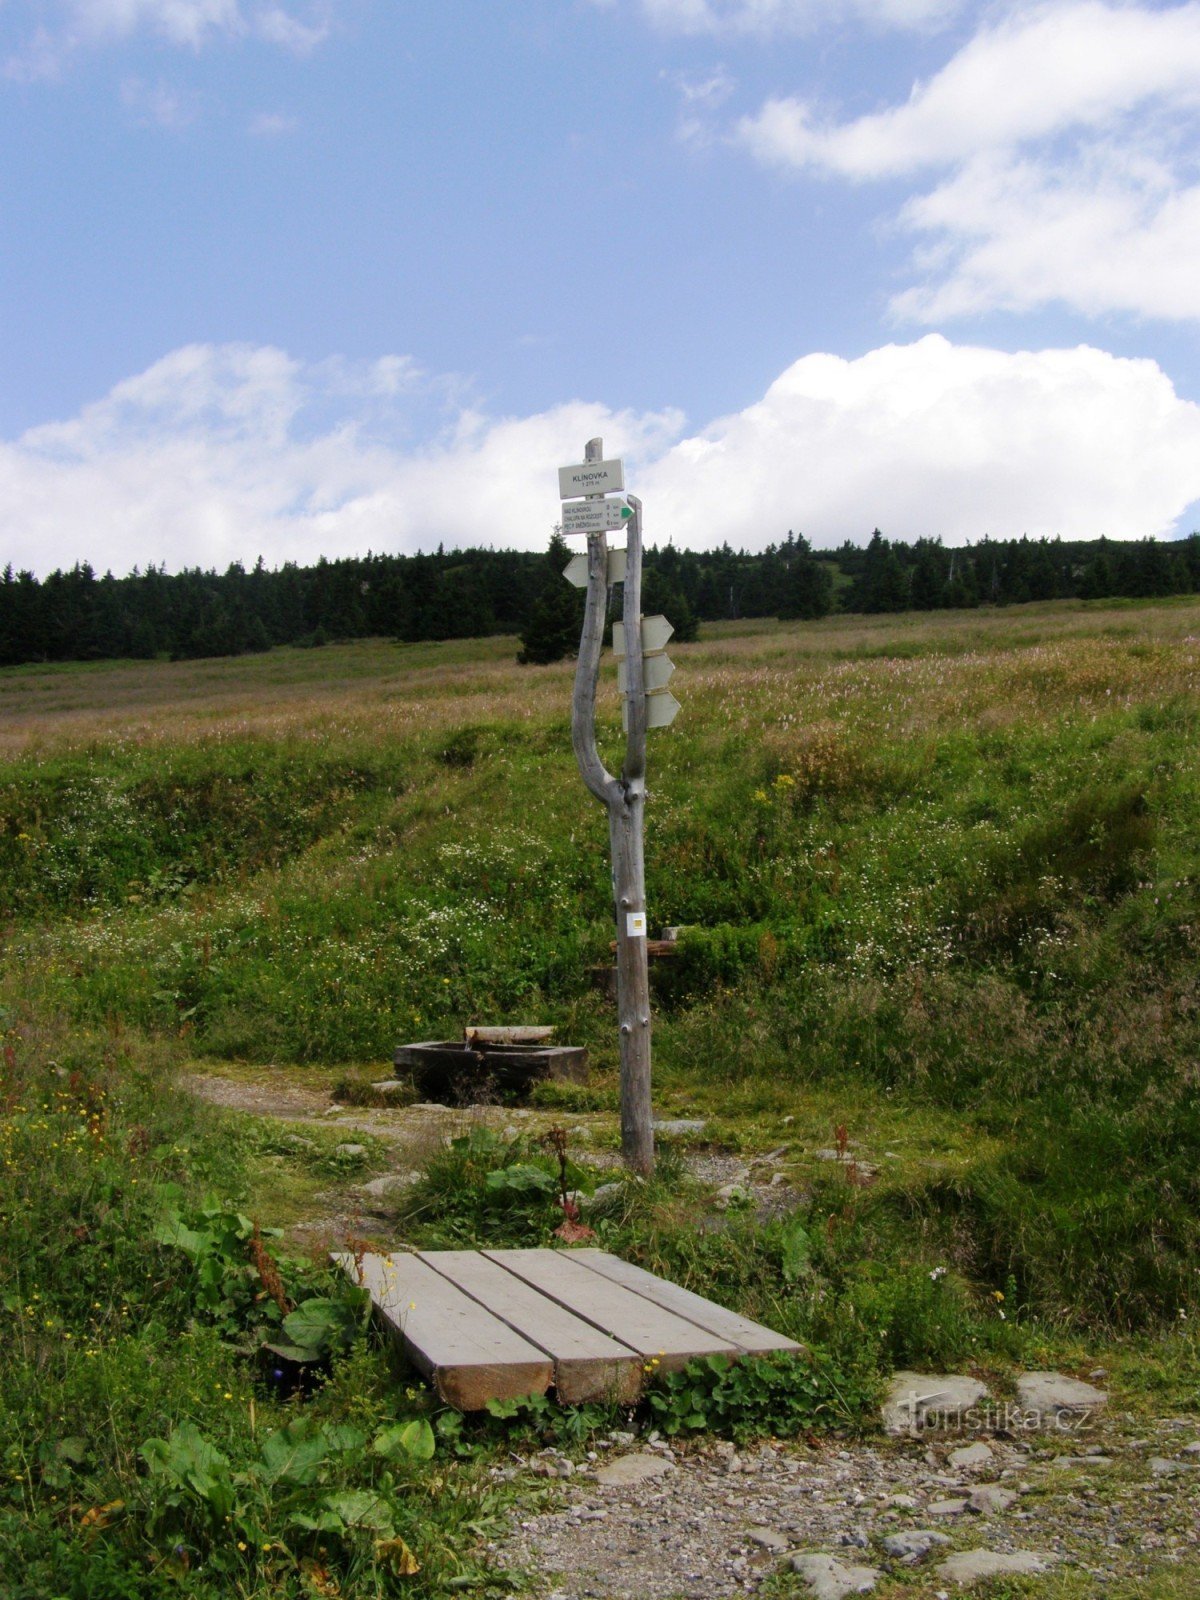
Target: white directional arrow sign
(591, 477)
(595, 516)
(575, 570)
(656, 673)
(660, 710)
(655, 633)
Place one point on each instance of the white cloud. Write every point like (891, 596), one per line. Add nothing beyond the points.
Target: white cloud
(700, 97)
(217, 454)
(158, 105)
(1035, 74)
(186, 22)
(939, 439)
(64, 27)
(791, 16)
(1071, 138)
(272, 125)
(1105, 231)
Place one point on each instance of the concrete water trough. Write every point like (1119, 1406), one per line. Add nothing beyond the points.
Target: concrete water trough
(489, 1064)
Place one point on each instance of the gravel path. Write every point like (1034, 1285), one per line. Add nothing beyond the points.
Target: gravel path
(711, 1521)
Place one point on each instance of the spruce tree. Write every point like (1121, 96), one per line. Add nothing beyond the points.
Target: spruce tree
(556, 616)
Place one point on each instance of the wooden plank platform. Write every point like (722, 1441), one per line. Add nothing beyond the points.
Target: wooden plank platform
(657, 1335)
(588, 1364)
(469, 1355)
(499, 1324)
(740, 1332)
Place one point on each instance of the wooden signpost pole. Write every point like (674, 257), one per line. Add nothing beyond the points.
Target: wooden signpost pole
(625, 800)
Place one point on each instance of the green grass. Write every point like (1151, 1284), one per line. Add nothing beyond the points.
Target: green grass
(939, 879)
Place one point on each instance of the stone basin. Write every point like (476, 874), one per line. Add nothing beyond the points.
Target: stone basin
(454, 1072)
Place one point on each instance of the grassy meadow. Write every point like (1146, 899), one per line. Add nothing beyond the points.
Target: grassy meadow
(938, 875)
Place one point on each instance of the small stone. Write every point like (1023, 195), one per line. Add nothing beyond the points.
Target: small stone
(732, 1194)
(971, 1455)
(630, 1469)
(350, 1152)
(390, 1085)
(990, 1499)
(778, 1179)
(1164, 1467)
(903, 1502)
(1192, 1449)
(917, 1400)
(604, 1193)
(768, 1539)
(1051, 1400)
(972, 1566)
(913, 1544)
(831, 1579)
(946, 1508)
(390, 1183)
(676, 1127)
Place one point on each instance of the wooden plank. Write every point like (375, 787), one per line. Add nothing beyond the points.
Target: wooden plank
(530, 1035)
(657, 1335)
(656, 949)
(588, 1364)
(470, 1356)
(752, 1337)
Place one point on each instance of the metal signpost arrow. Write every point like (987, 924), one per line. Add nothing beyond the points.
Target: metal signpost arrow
(595, 516)
(623, 797)
(656, 674)
(655, 633)
(576, 570)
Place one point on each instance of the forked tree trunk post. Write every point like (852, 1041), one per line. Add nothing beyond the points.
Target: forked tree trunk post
(625, 800)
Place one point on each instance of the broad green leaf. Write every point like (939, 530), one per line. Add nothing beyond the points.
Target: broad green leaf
(293, 1352)
(360, 1508)
(412, 1439)
(320, 1325)
(322, 1522)
(293, 1454)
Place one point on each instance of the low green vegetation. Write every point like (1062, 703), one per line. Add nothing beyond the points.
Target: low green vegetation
(938, 883)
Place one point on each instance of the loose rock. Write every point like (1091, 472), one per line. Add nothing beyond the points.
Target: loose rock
(971, 1455)
(831, 1579)
(635, 1468)
(1051, 1400)
(972, 1566)
(913, 1543)
(917, 1400)
(390, 1183)
(769, 1539)
(990, 1499)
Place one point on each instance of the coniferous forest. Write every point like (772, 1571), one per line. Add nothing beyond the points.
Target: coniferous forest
(80, 616)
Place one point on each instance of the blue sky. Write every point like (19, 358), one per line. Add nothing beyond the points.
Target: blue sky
(310, 278)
